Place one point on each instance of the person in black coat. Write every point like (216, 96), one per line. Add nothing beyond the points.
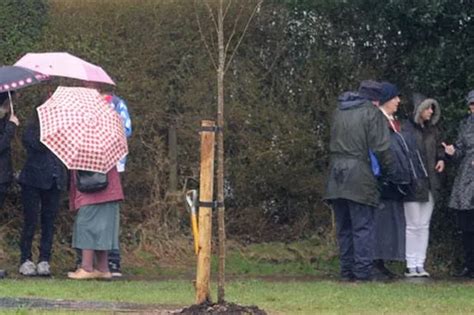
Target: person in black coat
(8, 125)
(42, 179)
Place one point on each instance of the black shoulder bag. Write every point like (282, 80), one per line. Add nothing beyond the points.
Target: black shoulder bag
(89, 182)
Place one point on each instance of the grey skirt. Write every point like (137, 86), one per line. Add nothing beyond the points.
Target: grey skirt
(97, 227)
(390, 231)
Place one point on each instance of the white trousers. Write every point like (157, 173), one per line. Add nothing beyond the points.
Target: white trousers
(417, 216)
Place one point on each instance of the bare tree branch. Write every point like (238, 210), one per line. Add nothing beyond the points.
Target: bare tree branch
(227, 8)
(211, 15)
(257, 6)
(203, 38)
(236, 21)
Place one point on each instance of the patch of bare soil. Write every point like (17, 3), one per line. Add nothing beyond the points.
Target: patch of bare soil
(224, 309)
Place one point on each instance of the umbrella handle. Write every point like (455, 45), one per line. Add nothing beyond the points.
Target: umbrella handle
(11, 103)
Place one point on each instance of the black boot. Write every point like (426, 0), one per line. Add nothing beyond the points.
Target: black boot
(379, 268)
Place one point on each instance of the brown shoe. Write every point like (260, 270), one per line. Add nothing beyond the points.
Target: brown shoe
(102, 275)
(81, 274)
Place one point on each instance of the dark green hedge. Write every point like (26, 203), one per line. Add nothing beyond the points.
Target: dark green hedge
(280, 91)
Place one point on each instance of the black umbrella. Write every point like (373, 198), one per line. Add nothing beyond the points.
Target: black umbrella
(15, 77)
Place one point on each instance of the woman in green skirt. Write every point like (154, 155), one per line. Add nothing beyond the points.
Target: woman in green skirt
(96, 225)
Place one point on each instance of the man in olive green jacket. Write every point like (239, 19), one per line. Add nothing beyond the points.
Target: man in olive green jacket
(357, 127)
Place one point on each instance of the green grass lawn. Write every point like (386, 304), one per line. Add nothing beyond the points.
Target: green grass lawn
(258, 274)
(276, 297)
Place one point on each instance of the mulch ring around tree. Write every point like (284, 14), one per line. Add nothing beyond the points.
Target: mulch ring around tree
(225, 308)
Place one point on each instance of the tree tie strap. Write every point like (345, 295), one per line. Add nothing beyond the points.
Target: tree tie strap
(211, 204)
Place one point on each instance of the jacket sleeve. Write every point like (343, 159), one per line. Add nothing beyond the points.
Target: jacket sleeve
(440, 154)
(7, 137)
(460, 144)
(31, 139)
(379, 142)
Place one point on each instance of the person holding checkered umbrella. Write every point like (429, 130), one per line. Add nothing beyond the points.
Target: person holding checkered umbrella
(43, 178)
(88, 136)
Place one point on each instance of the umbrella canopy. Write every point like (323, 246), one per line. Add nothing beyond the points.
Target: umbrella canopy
(15, 77)
(62, 64)
(81, 128)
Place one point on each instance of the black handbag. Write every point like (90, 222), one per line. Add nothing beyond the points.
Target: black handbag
(89, 182)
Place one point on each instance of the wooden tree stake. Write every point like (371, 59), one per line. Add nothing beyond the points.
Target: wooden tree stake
(206, 192)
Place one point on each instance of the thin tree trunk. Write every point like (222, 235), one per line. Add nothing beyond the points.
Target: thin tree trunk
(220, 156)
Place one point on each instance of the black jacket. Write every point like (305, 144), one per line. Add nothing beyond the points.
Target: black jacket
(42, 168)
(428, 141)
(7, 131)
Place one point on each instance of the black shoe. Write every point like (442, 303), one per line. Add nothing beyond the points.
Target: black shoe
(465, 273)
(114, 269)
(350, 278)
(379, 275)
(379, 267)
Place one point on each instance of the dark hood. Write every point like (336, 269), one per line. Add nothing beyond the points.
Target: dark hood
(349, 100)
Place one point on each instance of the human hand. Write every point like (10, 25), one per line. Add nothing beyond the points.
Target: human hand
(439, 166)
(14, 119)
(449, 149)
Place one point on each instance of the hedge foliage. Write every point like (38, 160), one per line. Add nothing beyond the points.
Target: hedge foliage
(296, 57)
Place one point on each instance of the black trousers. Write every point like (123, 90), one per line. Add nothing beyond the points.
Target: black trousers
(355, 234)
(468, 246)
(45, 203)
(465, 220)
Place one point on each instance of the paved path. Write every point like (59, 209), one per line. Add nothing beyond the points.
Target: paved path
(30, 303)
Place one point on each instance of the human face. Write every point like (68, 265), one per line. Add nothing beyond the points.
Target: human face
(391, 106)
(426, 114)
(471, 107)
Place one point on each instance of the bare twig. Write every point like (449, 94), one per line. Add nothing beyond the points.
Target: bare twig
(211, 15)
(257, 6)
(203, 38)
(236, 21)
(227, 8)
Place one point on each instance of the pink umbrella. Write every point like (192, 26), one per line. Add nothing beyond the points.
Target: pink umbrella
(62, 64)
(81, 128)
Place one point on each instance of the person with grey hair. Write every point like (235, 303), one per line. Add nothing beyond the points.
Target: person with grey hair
(419, 204)
(463, 187)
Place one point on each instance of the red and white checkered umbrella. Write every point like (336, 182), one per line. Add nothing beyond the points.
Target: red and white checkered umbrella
(80, 127)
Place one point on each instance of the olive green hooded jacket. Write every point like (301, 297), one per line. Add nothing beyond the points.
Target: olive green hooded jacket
(357, 126)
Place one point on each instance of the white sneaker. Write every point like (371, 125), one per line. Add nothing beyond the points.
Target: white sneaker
(28, 268)
(422, 272)
(43, 269)
(411, 273)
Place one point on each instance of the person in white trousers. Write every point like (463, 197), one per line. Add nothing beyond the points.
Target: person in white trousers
(419, 204)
